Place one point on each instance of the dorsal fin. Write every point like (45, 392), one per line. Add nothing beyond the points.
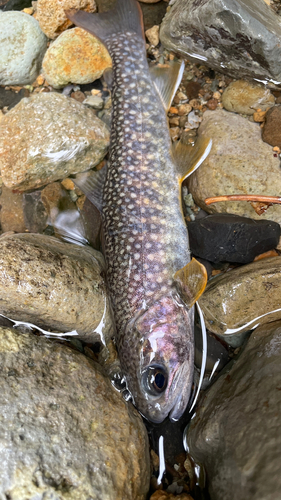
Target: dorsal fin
(91, 184)
(166, 79)
(188, 157)
(126, 16)
(192, 280)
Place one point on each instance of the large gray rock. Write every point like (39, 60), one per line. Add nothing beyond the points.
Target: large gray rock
(238, 37)
(239, 163)
(47, 137)
(65, 433)
(22, 47)
(236, 433)
(54, 285)
(243, 298)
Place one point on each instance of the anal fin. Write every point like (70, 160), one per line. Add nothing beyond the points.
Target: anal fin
(192, 280)
(91, 184)
(166, 79)
(188, 158)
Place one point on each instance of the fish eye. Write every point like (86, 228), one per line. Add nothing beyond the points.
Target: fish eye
(154, 380)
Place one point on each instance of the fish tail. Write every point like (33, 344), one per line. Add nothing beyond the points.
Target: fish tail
(126, 16)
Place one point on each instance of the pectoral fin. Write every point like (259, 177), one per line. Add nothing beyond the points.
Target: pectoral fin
(192, 280)
(91, 184)
(188, 158)
(166, 79)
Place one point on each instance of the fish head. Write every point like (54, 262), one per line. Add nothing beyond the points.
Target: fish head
(160, 374)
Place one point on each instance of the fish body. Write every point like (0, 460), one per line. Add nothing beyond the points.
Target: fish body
(146, 239)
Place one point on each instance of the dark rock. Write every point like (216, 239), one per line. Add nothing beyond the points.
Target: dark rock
(153, 13)
(271, 132)
(17, 4)
(192, 89)
(236, 433)
(230, 238)
(10, 99)
(241, 38)
(35, 215)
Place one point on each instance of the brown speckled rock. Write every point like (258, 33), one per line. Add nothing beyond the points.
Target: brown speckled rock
(51, 17)
(75, 57)
(11, 211)
(271, 132)
(236, 433)
(54, 285)
(239, 163)
(65, 433)
(245, 97)
(47, 137)
(241, 299)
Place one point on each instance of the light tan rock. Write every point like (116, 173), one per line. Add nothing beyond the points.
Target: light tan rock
(245, 97)
(75, 57)
(239, 163)
(65, 433)
(12, 212)
(47, 137)
(55, 285)
(153, 35)
(241, 299)
(51, 17)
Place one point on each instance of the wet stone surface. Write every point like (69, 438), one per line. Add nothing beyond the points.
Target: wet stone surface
(65, 433)
(230, 238)
(219, 31)
(236, 432)
(239, 300)
(54, 285)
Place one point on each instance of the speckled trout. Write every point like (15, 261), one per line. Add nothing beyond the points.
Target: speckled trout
(152, 283)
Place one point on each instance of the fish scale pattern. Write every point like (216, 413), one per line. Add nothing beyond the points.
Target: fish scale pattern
(146, 239)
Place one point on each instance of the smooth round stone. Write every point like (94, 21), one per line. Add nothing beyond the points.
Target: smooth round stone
(57, 286)
(243, 298)
(236, 432)
(65, 433)
(48, 137)
(245, 97)
(51, 14)
(230, 238)
(75, 57)
(271, 132)
(22, 48)
(239, 163)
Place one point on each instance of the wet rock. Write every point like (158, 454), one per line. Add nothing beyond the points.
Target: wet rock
(230, 238)
(153, 13)
(65, 433)
(192, 89)
(271, 132)
(54, 285)
(35, 215)
(242, 39)
(239, 163)
(48, 137)
(22, 47)
(75, 57)
(245, 97)
(17, 4)
(11, 213)
(9, 99)
(152, 35)
(236, 433)
(243, 298)
(51, 16)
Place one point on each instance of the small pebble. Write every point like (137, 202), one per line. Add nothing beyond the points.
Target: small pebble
(217, 95)
(259, 116)
(78, 96)
(94, 101)
(174, 133)
(173, 110)
(153, 35)
(68, 184)
(184, 109)
(195, 103)
(212, 104)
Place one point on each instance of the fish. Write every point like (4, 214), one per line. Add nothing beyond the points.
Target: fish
(153, 283)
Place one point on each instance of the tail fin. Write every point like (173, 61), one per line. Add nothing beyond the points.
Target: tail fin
(125, 16)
